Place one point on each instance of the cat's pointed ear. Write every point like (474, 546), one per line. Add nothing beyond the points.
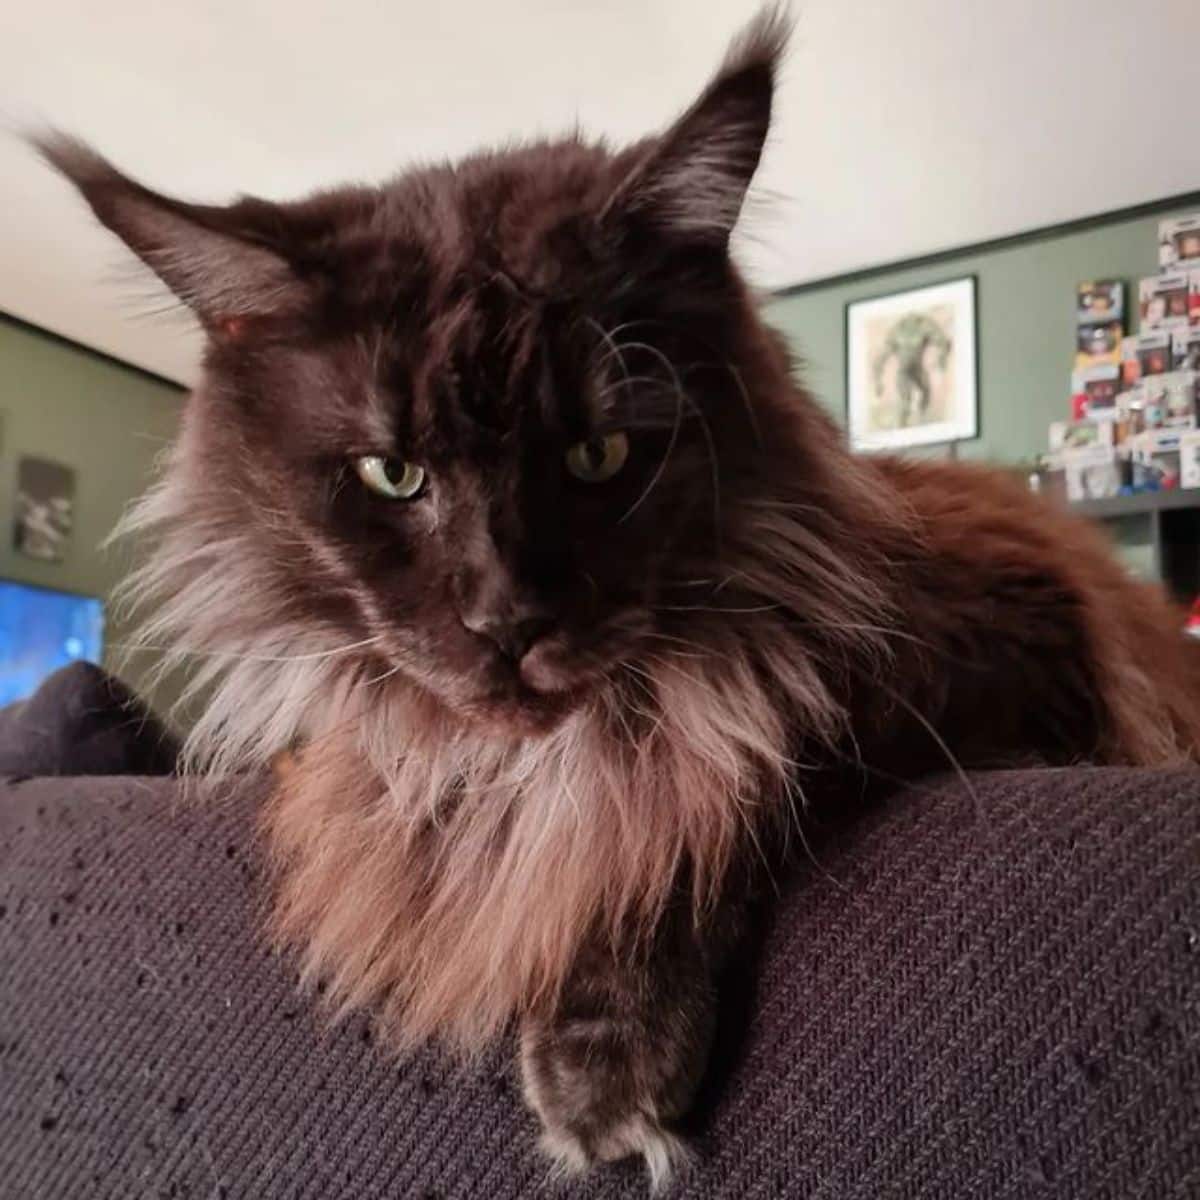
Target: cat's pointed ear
(693, 179)
(213, 258)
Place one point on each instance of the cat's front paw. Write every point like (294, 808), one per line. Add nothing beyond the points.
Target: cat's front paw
(601, 1099)
(572, 1153)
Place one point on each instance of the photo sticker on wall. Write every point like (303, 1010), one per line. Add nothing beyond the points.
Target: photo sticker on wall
(1099, 300)
(1164, 300)
(1179, 242)
(45, 508)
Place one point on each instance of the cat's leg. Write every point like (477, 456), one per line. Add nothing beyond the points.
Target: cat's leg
(621, 1057)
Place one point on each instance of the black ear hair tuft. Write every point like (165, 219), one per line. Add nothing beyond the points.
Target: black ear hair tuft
(204, 253)
(693, 179)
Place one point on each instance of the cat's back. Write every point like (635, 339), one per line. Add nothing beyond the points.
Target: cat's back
(978, 528)
(1013, 579)
(986, 512)
(987, 522)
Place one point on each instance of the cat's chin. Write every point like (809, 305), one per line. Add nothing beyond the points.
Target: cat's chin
(522, 713)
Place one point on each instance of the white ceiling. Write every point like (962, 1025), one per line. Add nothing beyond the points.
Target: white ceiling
(904, 126)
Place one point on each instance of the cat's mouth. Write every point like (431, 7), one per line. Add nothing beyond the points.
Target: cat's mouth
(558, 672)
(548, 668)
(558, 664)
(514, 706)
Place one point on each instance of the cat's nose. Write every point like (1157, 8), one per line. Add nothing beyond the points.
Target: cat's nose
(512, 634)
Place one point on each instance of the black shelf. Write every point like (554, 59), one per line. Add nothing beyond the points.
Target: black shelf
(1142, 502)
(1173, 525)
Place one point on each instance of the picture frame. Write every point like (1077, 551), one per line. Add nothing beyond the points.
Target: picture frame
(44, 510)
(912, 367)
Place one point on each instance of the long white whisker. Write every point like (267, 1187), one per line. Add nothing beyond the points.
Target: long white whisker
(244, 656)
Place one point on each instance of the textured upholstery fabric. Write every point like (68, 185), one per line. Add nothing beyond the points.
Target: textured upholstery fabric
(82, 721)
(982, 997)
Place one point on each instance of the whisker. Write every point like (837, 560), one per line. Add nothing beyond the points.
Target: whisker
(797, 824)
(724, 363)
(708, 436)
(751, 415)
(614, 350)
(705, 651)
(748, 827)
(757, 608)
(662, 466)
(243, 656)
(940, 742)
(380, 678)
(626, 380)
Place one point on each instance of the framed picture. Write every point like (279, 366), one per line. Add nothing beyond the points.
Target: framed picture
(912, 367)
(45, 508)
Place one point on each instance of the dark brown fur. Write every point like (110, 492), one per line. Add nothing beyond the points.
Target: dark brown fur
(1030, 639)
(549, 727)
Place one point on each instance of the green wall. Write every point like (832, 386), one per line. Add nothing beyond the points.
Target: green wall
(108, 422)
(1025, 301)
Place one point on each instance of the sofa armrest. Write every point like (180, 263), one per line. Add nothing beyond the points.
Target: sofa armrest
(986, 995)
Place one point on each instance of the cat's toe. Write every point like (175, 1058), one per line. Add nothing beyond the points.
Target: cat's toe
(598, 1102)
(636, 1135)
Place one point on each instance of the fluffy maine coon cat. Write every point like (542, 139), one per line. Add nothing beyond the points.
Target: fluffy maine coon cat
(499, 501)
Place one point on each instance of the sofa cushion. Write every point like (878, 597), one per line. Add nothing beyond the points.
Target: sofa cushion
(83, 721)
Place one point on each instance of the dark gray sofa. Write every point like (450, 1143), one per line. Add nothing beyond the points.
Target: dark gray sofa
(984, 997)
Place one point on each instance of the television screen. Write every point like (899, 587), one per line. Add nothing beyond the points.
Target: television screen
(42, 630)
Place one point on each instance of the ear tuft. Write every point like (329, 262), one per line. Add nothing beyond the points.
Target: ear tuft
(205, 254)
(693, 180)
(761, 44)
(75, 159)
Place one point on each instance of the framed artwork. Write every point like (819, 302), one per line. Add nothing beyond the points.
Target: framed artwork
(912, 367)
(45, 508)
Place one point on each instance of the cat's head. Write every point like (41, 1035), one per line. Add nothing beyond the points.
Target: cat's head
(489, 420)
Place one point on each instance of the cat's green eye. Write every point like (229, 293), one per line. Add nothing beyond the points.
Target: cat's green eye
(599, 458)
(390, 477)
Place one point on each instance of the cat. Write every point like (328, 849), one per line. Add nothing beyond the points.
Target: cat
(499, 522)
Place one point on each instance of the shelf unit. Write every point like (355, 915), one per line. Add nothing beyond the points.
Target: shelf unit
(1169, 522)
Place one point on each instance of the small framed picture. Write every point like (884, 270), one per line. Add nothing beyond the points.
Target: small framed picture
(912, 367)
(45, 509)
